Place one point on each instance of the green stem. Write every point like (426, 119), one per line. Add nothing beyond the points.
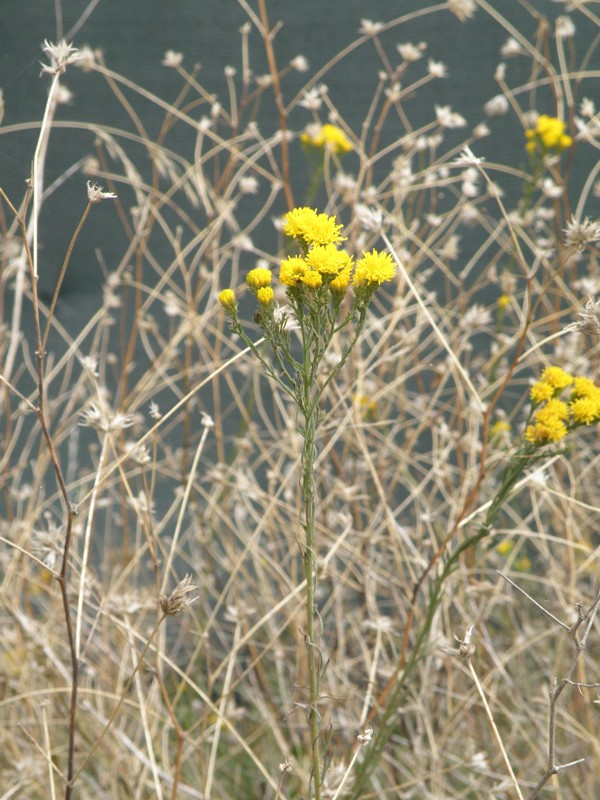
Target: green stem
(526, 457)
(312, 646)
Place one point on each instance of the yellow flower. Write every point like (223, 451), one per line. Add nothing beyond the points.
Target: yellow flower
(549, 423)
(503, 301)
(259, 277)
(331, 136)
(227, 299)
(328, 260)
(553, 430)
(374, 268)
(541, 391)
(557, 377)
(584, 387)
(523, 564)
(292, 270)
(312, 278)
(313, 228)
(549, 133)
(553, 408)
(505, 547)
(585, 410)
(265, 295)
(555, 418)
(340, 283)
(369, 406)
(499, 427)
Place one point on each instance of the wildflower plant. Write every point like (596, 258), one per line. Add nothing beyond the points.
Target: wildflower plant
(321, 142)
(299, 336)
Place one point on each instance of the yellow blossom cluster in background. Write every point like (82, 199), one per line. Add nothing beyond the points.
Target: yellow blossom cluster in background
(328, 136)
(548, 136)
(553, 417)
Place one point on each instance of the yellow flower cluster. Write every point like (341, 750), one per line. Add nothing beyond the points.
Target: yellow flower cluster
(374, 268)
(323, 261)
(500, 427)
(227, 299)
(312, 228)
(328, 136)
(554, 418)
(258, 278)
(322, 264)
(259, 282)
(548, 135)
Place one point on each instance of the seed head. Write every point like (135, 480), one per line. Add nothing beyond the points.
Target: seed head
(178, 601)
(588, 320)
(61, 55)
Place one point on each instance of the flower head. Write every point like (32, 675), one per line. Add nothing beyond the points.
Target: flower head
(411, 52)
(328, 260)
(374, 268)
(292, 270)
(228, 301)
(541, 391)
(178, 600)
(96, 193)
(584, 387)
(548, 135)
(61, 55)
(579, 234)
(370, 28)
(463, 9)
(172, 59)
(564, 27)
(497, 106)
(265, 296)
(549, 428)
(329, 136)
(500, 427)
(340, 283)
(585, 410)
(312, 228)
(448, 118)
(104, 419)
(299, 63)
(258, 278)
(557, 377)
(436, 69)
(312, 279)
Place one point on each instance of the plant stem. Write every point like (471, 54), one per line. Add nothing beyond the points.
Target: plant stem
(312, 648)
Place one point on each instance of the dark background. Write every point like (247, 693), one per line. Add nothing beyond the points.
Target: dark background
(134, 36)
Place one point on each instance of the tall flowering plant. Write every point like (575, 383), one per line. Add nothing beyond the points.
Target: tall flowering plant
(316, 281)
(560, 404)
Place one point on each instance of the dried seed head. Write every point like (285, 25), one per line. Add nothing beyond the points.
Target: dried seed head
(365, 737)
(286, 766)
(588, 320)
(96, 193)
(61, 55)
(579, 234)
(178, 601)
